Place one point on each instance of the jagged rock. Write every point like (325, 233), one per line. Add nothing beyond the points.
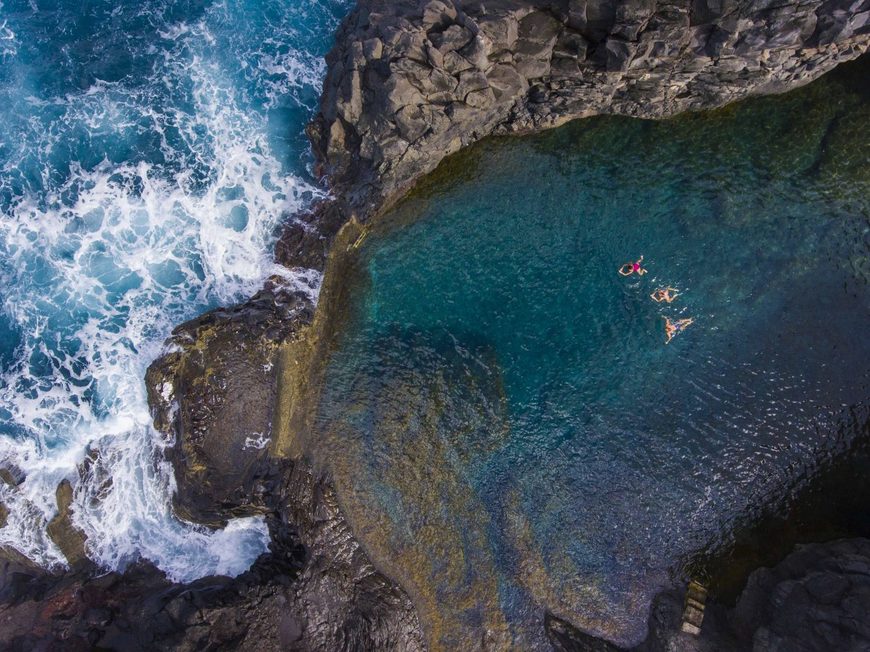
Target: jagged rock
(68, 538)
(332, 599)
(536, 64)
(314, 590)
(817, 599)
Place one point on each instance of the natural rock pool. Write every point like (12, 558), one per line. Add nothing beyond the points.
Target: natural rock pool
(507, 429)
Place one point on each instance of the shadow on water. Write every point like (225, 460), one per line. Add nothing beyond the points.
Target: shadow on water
(508, 431)
(832, 504)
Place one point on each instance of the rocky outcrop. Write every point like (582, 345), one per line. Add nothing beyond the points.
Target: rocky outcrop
(213, 397)
(315, 590)
(816, 599)
(69, 539)
(412, 81)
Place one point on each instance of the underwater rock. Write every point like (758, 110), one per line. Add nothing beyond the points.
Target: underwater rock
(422, 406)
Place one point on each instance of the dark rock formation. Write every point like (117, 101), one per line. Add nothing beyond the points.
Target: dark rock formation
(817, 599)
(213, 396)
(412, 81)
(69, 539)
(315, 590)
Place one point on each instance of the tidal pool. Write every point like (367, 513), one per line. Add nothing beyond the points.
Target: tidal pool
(508, 430)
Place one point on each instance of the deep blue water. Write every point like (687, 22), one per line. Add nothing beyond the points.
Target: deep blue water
(148, 151)
(508, 428)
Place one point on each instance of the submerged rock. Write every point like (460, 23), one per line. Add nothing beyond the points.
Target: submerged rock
(423, 407)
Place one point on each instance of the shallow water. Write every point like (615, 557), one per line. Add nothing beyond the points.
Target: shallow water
(507, 428)
(148, 151)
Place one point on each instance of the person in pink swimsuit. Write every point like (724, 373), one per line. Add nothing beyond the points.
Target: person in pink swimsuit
(633, 268)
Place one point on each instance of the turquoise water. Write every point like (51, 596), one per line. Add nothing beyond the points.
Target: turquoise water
(509, 430)
(148, 151)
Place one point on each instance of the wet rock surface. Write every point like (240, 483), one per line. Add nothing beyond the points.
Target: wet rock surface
(816, 599)
(69, 539)
(213, 395)
(315, 590)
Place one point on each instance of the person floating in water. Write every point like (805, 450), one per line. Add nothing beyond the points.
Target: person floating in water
(664, 294)
(633, 268)
(674, 327)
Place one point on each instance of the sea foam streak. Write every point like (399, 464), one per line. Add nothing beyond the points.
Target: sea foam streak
(98, 268)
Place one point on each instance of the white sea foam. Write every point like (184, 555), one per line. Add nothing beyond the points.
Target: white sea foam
(8, 46)
(98, 270)
(257, 440)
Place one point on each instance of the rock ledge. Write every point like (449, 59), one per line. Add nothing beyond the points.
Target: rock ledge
(410, 82)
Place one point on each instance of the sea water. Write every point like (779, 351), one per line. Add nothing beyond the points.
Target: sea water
(148, 151)
(509, 430)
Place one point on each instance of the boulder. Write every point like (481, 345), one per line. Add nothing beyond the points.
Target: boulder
(68, 538)
(818, 598)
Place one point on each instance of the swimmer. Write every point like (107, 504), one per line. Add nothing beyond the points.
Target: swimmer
(633, 268)
(664, 294)
(674, 327)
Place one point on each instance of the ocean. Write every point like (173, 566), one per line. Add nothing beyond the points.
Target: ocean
(148, 153)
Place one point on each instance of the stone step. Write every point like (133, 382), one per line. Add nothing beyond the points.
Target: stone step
(693, 611)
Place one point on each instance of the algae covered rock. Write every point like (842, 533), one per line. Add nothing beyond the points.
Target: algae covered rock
(399, 425)
(213, 394)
